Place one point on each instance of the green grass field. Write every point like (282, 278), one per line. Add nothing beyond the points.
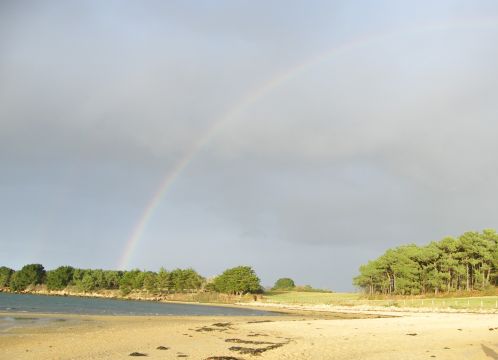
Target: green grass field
(308, 298)
(352, 299)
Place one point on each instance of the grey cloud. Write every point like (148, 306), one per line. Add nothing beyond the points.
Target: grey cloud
(391, 141)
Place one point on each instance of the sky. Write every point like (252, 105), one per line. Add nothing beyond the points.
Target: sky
(300, 138)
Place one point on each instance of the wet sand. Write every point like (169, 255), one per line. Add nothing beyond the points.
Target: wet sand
(311, 336)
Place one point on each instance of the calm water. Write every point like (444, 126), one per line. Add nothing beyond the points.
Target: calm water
(93, 306)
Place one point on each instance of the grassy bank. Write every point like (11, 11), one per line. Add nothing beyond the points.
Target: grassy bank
(354, 299)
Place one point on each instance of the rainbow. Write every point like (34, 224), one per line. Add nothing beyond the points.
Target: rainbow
(258, 93)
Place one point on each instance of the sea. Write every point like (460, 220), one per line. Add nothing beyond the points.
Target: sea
(27, 303)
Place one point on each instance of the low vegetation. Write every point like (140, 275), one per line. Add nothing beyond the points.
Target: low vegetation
(309, 297)
(474, 301)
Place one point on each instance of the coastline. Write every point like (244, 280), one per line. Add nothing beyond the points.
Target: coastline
(173, 298)
(305, 332)
(31, 304)
(365, 309)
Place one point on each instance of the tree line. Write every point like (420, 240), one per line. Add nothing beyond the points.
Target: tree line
(238, 280)
(466, 263)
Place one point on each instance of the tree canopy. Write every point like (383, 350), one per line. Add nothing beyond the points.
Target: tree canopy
(238, 280)
(284, 284)
(5, 275)
(31, 274)
(59, 278)
(468, 262)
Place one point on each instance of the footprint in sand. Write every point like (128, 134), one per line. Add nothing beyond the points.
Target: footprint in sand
(489, 352)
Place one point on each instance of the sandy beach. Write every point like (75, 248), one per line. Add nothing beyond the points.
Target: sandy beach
(312, 336)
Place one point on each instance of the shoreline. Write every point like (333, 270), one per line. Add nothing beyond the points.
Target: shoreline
(111, 295)
(369, 309)
(235, 302)
(287, 309)
(35, 304)
(280, 309)
(241, 306)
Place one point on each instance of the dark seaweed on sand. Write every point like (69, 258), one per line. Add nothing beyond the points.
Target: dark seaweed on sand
(220, 324)
(215, 327)
(207, 329)
(254, 351)
(241, 341)
(259, 321)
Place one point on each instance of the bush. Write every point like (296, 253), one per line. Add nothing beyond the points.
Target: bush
(284, 284)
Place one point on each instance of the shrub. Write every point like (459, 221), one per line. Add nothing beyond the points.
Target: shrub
(284, 284)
